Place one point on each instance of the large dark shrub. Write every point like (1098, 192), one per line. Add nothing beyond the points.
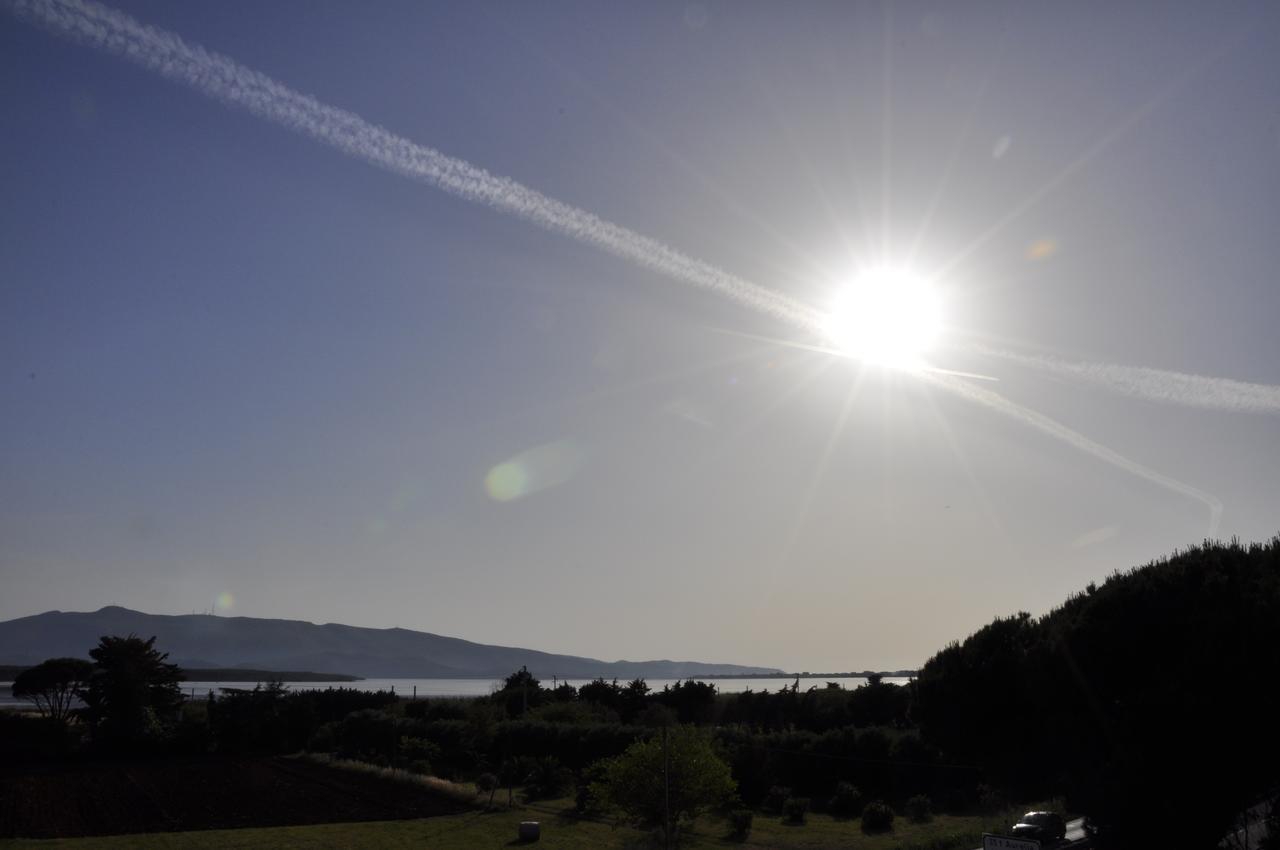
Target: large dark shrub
(547, 780)
(795, 808)
(368, 733)
(919, 809)
(877, 817)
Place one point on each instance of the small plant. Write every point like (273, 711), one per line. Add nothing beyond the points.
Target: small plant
(877, 817)
(847, 801)
(740, 824)
(795, 808)
(919, 809)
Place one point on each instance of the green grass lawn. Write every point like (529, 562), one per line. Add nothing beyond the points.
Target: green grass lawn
(498, 829)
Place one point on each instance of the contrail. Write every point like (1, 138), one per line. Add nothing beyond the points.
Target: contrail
(226, 80)
(1158, 385)
(1057, 430)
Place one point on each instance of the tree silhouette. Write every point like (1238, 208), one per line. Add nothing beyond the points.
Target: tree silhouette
(53, 686)
(133, 694)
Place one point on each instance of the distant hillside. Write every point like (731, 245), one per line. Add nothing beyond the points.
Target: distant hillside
(200, 640)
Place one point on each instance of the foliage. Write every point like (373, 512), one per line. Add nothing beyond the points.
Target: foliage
(132, 697)
(877, 817)
(1097, 697)
(54, 685)
(513, 772)
(520, 692)
(919, 809)
(691, 700)
(846, 801)
(547, 779)
(795, 808)
(655, 784)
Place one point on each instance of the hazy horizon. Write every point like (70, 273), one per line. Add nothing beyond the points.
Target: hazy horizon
(256, 361)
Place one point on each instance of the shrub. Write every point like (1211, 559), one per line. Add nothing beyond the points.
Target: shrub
(367, 733)
(774, 800)
(325, 739)
(846, 802)
(919, 808)
(877, 817)
(653, 784)
(547, 780)
(740, 824)
(418, 750)
(795, 808)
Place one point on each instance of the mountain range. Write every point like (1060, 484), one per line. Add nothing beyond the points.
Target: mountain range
(203, 640)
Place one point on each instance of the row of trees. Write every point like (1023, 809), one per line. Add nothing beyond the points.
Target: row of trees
(817, 709)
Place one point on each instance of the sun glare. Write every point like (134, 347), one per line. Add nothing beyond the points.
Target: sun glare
(886, 316)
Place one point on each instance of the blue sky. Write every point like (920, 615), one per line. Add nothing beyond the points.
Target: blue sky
(244, 371)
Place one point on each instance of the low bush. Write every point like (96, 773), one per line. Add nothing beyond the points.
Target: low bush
(847, 801)
(795, 808)
(919, 809)
(547, 779)
(877, 817)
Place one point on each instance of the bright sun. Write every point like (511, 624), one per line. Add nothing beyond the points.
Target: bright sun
(886, 316)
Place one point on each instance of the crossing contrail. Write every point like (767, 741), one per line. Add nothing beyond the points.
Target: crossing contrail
(1057, 430)
(1158, 385)
(224, 79)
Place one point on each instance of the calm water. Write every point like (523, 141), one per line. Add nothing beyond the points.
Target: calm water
(482, 687)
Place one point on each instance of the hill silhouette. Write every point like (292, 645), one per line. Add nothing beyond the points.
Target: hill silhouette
(202, 641)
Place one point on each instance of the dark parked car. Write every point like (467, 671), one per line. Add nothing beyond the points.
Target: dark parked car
(1041, 826)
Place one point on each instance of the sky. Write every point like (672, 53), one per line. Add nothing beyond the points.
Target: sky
(248, 369)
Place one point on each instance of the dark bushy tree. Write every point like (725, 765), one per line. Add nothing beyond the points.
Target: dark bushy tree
(54, 686)
(132, 697)
(1111, 697)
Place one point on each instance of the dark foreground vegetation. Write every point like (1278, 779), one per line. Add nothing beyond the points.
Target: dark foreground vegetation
(201, 792)
(1099, 701)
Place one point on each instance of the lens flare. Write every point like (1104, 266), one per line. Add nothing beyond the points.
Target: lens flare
(532, 470)
(225, 601)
